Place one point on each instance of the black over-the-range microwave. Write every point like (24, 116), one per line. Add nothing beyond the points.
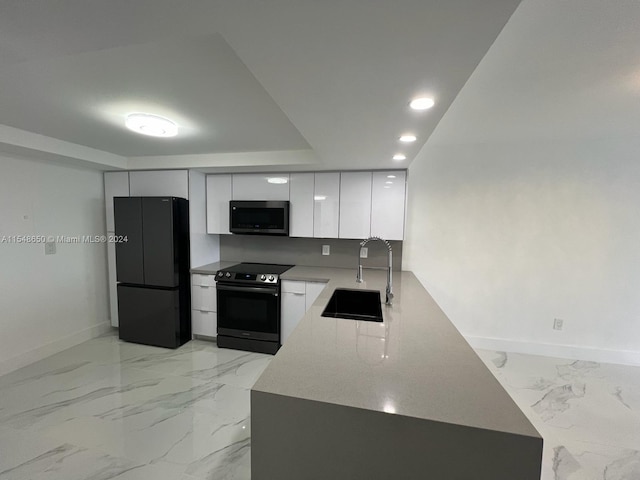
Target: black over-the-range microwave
(265, 217)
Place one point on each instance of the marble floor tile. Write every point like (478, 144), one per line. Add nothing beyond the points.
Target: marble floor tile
(109, 409)
(586, 412)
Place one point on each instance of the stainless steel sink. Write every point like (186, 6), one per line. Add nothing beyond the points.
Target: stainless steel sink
(354, 304)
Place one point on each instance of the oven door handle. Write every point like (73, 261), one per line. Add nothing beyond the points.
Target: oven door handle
(229, 288)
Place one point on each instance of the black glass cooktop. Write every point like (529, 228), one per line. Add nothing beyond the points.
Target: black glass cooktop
(258, 268)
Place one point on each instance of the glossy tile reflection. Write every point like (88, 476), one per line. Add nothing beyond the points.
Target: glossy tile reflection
(587, 412)
(109, 409)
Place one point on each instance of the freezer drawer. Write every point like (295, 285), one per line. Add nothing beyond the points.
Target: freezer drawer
(152, 316)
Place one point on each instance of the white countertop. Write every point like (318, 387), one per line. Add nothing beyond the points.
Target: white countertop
(415, 363)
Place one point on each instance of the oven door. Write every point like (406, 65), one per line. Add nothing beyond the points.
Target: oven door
(249, 311)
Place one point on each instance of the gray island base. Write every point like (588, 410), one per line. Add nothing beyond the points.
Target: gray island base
(405, 399)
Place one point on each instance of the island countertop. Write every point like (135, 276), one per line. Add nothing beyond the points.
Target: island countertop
(415, 363)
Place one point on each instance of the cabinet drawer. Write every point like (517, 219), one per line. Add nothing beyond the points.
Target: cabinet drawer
(204, 323)
(204, 280)
(293, 286)
(203, 298)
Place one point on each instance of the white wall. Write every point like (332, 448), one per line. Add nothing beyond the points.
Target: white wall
(520, 210)
(49, 303)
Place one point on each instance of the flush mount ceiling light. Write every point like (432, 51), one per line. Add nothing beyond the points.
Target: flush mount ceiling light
(422, 103)
(407, 138)
(399, 156)
(278, 180)
(153, 125)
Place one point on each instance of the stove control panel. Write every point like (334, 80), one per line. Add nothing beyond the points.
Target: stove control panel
(268, 278)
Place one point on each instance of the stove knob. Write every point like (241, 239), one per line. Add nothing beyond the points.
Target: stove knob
(220, 274)
(263, 278)
(271, 278)
(227, 274)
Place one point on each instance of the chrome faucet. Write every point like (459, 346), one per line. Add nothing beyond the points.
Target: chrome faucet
(389, 297)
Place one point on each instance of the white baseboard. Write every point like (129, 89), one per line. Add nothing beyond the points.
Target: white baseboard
(54, 347)
(624, 357)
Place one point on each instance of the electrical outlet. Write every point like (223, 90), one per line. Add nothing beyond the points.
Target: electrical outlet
(50, 248)
(558, 323)
(326, 250)
(364, 252)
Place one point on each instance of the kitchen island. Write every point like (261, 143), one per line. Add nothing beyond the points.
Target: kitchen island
(404, 398)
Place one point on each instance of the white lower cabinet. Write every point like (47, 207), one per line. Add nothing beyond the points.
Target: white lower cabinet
(297, 298)
(293, 308)
(312, 291)
(203, 305)
(204, 323)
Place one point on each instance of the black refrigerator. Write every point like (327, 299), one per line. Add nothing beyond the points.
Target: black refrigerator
(152, 267)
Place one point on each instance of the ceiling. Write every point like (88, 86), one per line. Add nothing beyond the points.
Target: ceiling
(560, 72)
(304, 84)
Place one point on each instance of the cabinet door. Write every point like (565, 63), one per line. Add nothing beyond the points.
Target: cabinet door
(312, 292)
(116, 184)
(301, 213)
(388, 205)
(160, 183)
(261, 186)
(293, 308)
(218, 198)
(355, 204)
(326, 197)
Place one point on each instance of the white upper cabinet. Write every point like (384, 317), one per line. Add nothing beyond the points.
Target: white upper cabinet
(388, 205)
(355, 204)
(160, 183)
(301, 214)
(261, 186)
(326, 210)
(218, 197)
(323, 204)
(116, 184)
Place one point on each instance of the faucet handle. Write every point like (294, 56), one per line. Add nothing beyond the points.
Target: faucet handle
(389, 299)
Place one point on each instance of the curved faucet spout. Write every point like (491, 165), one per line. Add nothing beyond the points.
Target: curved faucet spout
(359, 278)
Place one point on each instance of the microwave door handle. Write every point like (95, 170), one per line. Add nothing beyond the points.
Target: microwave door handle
(228, 288)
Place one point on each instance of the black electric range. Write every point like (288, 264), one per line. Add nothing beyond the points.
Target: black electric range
(248, 296)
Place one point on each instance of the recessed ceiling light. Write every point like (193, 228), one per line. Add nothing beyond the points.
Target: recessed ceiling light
(391, 176)
(278, 180)
(422, 103)
(153, 125)
(399, 156)
(407, 138)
